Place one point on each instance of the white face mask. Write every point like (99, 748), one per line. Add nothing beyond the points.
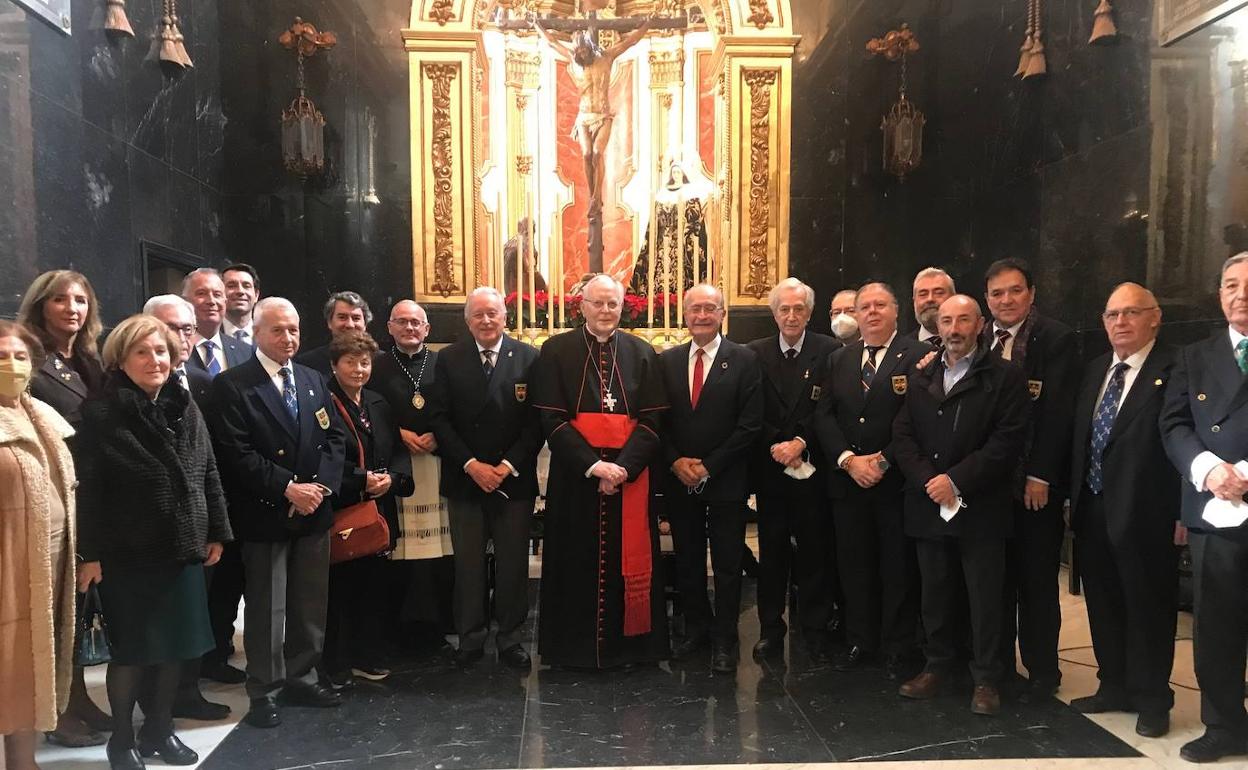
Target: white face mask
(844, 326)
(14, 377)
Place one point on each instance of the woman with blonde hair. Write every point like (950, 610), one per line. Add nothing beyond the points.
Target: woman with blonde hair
(36, 553)
(60, 309)
(152, 515)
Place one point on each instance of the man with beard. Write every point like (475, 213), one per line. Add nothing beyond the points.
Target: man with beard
(932, 286)
(242, 289)
(842, 315)
(963, 422)
(600, 395)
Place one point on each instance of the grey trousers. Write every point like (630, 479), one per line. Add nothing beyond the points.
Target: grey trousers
(473, 524)
(284, 613)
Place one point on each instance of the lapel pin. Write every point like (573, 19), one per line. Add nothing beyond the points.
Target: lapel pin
(310, 393)
(1201, 396)
(724, 365)
(806, 376)
(1157, 381)
(509, 352)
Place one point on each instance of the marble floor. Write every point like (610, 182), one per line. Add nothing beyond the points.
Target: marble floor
(785, 714)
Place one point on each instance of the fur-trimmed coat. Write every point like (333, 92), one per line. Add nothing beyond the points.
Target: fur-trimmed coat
(36, 606)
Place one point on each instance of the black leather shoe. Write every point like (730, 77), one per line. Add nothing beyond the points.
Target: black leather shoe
(1152, 724)
(222, 672)
(1211, 747)
(465, 658)
(1100, 704)
(853, 659)
(263, 712)
(768, 647)
(723, 661)
(689, 646)
(193, 705)
(1038, 690)
(516, 657)
(171, 750)
(315, 695)
(124, 759)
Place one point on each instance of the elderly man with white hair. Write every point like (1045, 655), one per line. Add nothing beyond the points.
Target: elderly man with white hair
(280, 445)
(599, 393)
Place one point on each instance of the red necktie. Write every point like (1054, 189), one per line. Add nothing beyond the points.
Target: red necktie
(697, 379)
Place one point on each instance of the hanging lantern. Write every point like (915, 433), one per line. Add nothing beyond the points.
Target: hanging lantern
(903, 125)
(303, 125)
(1103, 28)
(167, 41)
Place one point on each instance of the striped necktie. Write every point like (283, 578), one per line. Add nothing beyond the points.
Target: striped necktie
(868, 366)
(210, 358)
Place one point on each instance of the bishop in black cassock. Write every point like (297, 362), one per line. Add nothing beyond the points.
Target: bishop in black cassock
(602, 600)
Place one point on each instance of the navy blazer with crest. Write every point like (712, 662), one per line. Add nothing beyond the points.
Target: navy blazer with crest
(722, 430)
(490, 420)
(850, 420)
(974, 434)
(1140, 485)
(260, 450)
(1206, 409)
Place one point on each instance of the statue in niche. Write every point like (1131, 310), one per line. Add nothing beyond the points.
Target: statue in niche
(517, 249)
(675, 196)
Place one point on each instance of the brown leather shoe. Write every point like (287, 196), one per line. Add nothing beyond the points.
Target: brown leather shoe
(925, 685)
(986, 700)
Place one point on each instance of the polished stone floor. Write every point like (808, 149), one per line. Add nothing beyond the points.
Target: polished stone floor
(431, 715)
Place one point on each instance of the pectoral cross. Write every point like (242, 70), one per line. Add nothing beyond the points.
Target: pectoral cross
(608, 401)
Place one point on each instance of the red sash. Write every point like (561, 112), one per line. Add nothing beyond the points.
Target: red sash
(611, 431)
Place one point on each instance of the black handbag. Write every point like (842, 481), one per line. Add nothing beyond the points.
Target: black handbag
(91, 647)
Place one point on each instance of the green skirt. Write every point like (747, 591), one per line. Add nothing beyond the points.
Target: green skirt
(156, 614)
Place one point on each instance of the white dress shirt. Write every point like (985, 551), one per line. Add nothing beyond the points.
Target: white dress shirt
(1134, 363)
(274, 370)
(786, 347)
(708, 358)
(218, 350)
(925, 335)
(1206, 461)
(496, 350)
(229, 330)
(879, 354)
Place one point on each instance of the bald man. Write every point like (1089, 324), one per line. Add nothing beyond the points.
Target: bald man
(1125, 497)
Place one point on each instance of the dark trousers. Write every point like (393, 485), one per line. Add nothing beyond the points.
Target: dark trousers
(796, 511)
(1221, 629)
(1132, 592)
(354, 615)
(225, 590)
(982, 562)
(473, 524)
(879, 573)
(1031, 607)
(694, 522)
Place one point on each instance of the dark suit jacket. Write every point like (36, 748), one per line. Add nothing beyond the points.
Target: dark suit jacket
(201, 389)
(974, 434)
(60, 387)
(491, 420)
(1141, 487)
(236, 354)
(863, 424)
(1051, 366)
(260, 450)
(789, 413)
(723, 429)
(318, 359)
(1206, 409)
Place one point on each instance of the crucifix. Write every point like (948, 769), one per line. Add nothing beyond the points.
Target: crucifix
(590, 66)
(608, 401)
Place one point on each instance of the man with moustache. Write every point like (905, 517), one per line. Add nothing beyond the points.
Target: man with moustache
(214, 352)
(599, 394)
(714, 387)
(489, 438)
(1045, 350)
(344, 311)
(406, 375)
(280, 446)
(242, 289)
(842, 316)
(1204, 425)
(932, 286)
(963, 421)
(788, 476)
(1123, 505)
(857, 407)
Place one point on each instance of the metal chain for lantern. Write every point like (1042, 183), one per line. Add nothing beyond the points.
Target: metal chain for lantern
(1024, 53)
(903, 125)
(303, 125)
(1103, 28)
(1037, 65)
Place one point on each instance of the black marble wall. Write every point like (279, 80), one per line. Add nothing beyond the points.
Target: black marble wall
(100, 150)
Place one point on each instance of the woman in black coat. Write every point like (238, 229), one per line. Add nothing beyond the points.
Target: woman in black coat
(356, 608)
(151, 514)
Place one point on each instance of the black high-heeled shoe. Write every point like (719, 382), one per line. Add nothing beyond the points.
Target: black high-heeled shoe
(172, 750)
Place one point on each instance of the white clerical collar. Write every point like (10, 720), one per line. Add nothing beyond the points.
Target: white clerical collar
(785, 347)
(709, 349)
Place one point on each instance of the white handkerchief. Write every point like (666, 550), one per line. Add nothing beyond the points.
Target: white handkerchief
(801, 472)
(947, 512)
(1227, 513)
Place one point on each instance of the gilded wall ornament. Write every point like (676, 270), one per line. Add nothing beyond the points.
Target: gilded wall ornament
(442, 11)
(760, 14)
(442, 163)
(760, 83)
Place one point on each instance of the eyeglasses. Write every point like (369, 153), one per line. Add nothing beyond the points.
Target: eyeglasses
(1129, 313)
(406, 322)
(599, 304)
(702, 309)
(185, 331)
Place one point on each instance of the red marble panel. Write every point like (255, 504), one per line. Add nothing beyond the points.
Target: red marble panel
(706, 113)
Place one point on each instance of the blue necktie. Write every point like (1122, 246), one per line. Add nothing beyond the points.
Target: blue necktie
(1102, 424)
(868, 367)
(487, 365)
(288, 393)
(241, 336)
(214, 366)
